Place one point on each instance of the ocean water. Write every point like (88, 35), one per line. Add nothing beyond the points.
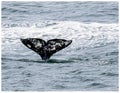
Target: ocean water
(90, 63)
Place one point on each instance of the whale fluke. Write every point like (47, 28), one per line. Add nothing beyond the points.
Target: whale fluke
(45, 49)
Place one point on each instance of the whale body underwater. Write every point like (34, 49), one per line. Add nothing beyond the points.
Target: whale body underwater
(45, 49)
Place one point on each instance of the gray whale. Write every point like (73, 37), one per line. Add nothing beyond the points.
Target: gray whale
(45, 49)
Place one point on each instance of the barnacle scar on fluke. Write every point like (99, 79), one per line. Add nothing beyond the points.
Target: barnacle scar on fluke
(45, 49)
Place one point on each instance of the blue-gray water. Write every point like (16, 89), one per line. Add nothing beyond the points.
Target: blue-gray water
(90, 63)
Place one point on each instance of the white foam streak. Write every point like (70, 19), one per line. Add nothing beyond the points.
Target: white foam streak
(83, 34)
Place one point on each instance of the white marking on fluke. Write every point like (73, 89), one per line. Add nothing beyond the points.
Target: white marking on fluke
(46, 49)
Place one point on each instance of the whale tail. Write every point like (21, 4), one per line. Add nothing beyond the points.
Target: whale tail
(45, 49)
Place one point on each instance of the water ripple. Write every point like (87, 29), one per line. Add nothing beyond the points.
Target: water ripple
(97, 85)
(109, 74)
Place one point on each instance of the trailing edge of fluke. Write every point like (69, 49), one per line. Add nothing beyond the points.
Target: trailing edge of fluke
(45, 49)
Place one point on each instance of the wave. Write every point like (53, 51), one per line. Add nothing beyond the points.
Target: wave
(12, 10)
(83, 35)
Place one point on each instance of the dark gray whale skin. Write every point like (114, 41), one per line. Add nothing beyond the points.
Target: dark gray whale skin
(45, 49)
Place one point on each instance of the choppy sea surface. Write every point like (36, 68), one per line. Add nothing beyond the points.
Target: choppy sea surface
(90, 63)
